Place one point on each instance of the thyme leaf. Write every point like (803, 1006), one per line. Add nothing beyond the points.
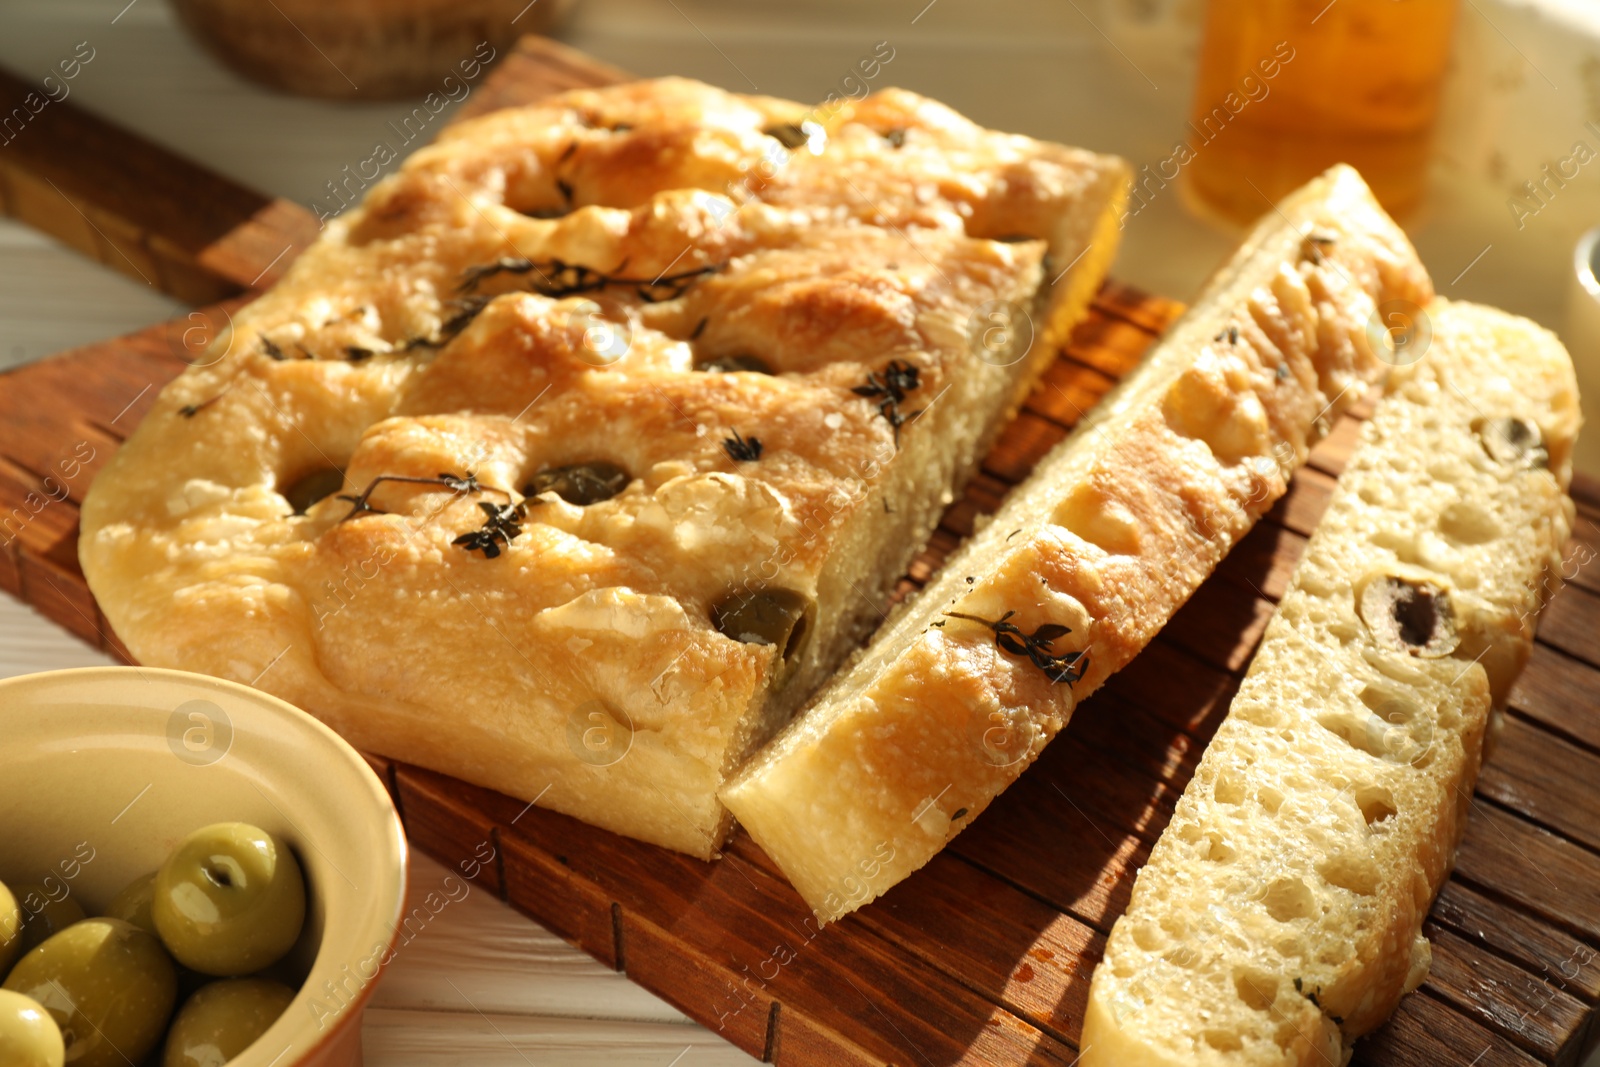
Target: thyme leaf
(742, 449)
(890, 390)
(1066, 667)
(502, 524)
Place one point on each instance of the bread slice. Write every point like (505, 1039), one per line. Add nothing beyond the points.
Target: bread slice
(1086, 560)
(768, 321)
(1279, 916)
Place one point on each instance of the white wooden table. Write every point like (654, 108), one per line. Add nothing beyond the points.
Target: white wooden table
(483, 985)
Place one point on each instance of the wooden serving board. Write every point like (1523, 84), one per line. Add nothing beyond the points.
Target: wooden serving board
(985, 955)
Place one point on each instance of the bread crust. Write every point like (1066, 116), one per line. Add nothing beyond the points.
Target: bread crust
(535, 290)
(1108, 537)
(1279, 917)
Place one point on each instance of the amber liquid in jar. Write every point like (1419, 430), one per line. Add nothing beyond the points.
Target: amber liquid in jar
(1287, 88)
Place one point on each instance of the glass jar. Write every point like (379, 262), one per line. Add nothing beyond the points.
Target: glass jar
(1287, 88)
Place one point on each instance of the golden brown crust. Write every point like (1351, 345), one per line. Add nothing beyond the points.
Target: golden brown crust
(535, 290)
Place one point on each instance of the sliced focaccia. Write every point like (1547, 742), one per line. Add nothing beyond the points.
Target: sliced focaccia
(1088, 558)
(573, 459)
(1280, 915)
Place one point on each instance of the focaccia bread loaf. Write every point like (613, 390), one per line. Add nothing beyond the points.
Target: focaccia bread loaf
(1087, 559)
(758, 332)
(1280, 915)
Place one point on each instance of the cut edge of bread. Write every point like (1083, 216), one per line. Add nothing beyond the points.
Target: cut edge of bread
(1279, 917)
(1109, 535)
(874, 552)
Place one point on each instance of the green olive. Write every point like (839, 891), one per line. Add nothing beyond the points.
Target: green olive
(306, 491)
(739, 361)
(43, 915)
(788, 134)
(766, 617)
(230, 900)
(580, 483)
(132, 905)
(29, 1037)
(10, 929)
(223, 1019)
(108, 986)
(1512, 441)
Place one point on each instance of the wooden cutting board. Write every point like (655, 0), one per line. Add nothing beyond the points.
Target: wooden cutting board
(985, 955)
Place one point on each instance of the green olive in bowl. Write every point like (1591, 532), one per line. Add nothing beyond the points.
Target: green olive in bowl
(44, 914)
(223, 1019)
(230, 900)
(11, 919)
(108, 985)
(132, 905)
(29, 1037)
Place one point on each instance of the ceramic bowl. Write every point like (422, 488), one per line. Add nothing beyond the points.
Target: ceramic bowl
(364, 49)
(104, 770)
(1582, 335)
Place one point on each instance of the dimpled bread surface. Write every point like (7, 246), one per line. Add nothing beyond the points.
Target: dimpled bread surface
(599, 278)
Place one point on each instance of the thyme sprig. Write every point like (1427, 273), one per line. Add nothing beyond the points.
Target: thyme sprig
(742, 449)
(890, 390)
(557, 278)
(1066, 667)
(189, 411)
(462, 312)
(274, 351)
(501, 525)
(361, 503)
(354, 353)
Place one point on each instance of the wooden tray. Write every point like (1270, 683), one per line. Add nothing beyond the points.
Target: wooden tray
(985, 955)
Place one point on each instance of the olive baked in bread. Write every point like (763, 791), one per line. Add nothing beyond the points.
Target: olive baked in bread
(579, 454)
(1087, 559)
(1279, 916)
